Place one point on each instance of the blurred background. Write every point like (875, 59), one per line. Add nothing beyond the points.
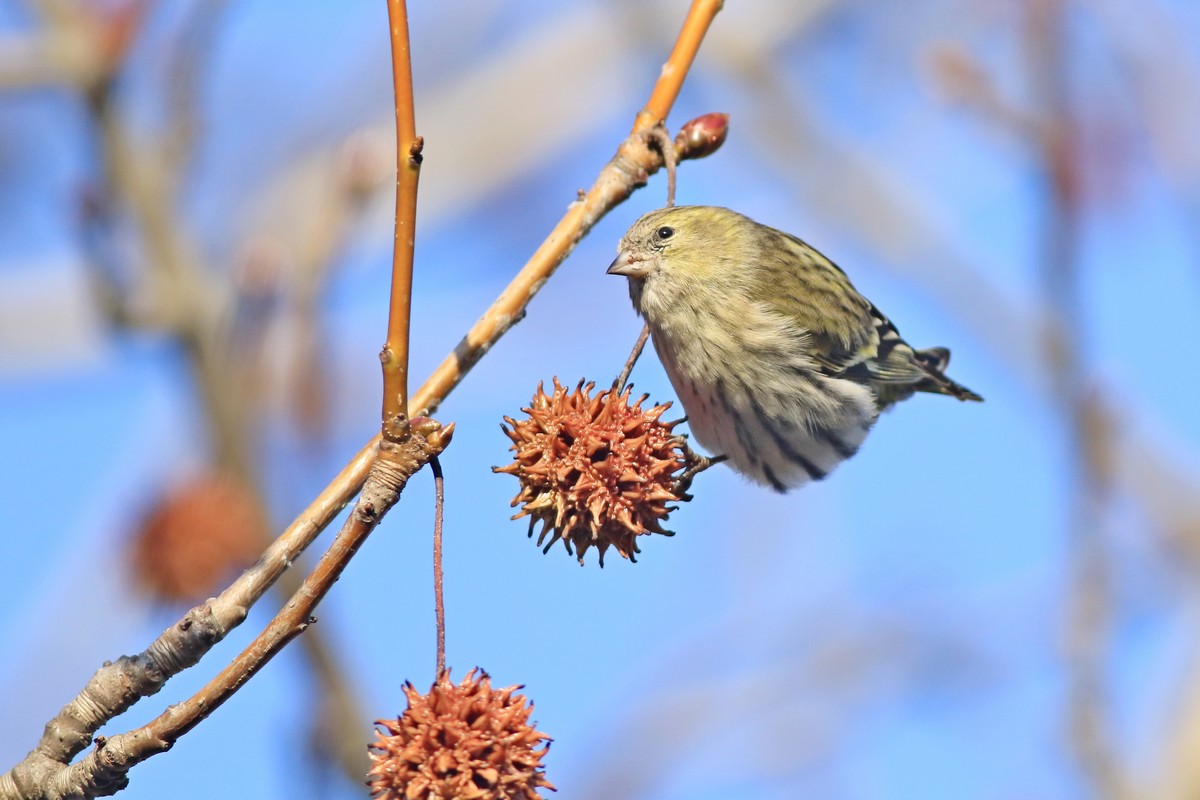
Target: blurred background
(993, 601)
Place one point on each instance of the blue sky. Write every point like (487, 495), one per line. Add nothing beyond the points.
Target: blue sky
(894, 632)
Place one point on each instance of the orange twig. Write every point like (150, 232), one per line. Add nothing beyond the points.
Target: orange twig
(394, 356)
(670, 80)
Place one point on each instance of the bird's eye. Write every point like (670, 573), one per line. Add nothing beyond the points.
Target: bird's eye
(665, 232)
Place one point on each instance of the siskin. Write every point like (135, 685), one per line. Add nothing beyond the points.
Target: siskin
(781, 365)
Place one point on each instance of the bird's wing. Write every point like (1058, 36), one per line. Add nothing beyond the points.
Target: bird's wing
(847, 335)
(840, 326)
(893, 360)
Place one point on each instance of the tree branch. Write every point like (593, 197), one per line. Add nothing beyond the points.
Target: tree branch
(104, 771)
(394, 356)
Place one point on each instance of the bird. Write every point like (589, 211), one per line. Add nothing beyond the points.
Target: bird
(781, 366)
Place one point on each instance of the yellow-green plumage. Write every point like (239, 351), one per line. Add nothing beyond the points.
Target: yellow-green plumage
(781, 365)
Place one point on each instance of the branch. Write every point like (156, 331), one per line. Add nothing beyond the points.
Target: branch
(76, 45)
(104, 771)
(1088, 619)
(670, 80)
(394, 356)
(118, 685)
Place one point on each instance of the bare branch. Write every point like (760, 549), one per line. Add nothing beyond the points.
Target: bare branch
(394, 356)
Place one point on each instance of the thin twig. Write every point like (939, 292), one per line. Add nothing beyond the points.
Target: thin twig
(192, 53)
(670, 80)
(439, 607)
(634, 355)
(394, 356)
(666, 145)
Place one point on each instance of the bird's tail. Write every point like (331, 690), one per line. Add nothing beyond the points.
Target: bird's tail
(935, 360)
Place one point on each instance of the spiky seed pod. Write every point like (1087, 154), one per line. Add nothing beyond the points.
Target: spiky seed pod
(594, 470)
(464, 741)
(195, 536)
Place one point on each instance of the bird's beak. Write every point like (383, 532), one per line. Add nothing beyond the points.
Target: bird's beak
(629, 266)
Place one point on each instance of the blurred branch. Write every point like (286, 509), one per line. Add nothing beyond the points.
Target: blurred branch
(574, 99)
(963, 81)
(1156, 54)
(317, 209)
(47, 59)
(1089, 604)
(1176, 773)
(1155, 48)
(195, 46)
(187, 297)
(293, 234)
(76, 46)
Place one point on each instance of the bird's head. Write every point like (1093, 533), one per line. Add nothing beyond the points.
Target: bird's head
(686, 242)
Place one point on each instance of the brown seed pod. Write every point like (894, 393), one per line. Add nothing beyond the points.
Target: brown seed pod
(459, 741)
(196, 536)
(595, 470)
